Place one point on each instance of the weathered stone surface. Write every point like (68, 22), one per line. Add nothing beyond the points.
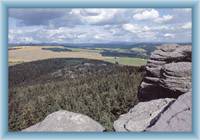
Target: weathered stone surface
(167, 54)
(66, 121)
(143, 115)
(177, 77)
(172, 53)
(178, 117)
(168, 73)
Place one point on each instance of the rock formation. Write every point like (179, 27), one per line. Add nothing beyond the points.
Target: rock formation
(66, 121)
(143, 115)
(168, 73)
(168, 76)
(178, 117)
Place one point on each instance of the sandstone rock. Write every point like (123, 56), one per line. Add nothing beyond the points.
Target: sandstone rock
(143, 115)
(172, 53)
(177, 77)
(168, 73)
(178, 117)
(168, 54)
(66, 121)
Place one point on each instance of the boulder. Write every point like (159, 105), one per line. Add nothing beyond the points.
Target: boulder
(178, 117)
(66, 121)
(168, 73)
(143, 115)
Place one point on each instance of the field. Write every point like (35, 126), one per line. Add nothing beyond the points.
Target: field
(34, 53)
(127, 61)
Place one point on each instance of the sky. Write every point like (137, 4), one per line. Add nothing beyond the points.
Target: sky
(64, 25)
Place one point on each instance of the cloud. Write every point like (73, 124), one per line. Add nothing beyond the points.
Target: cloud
(187, 25)
(169, 35)
(165, 18)
(69, 17)
(146, 14)
(134, 28)
(152, 15)
(92, 16)
(89, 25)
(131, 27)
(105, 16)
(163, 27)
(33, 16)
(76, 34)
(143, 32)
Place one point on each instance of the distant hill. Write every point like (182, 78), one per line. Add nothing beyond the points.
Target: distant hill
(100, 45)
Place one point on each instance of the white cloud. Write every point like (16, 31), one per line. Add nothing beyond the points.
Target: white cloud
(169, 35)
(131, 27)
(152, 15)
(144, 32)
(146, 14)
(162, 27)
(187, 25)
(146, 28)
(81, 36)
(99, 36)
(148, 35)
(92, 16)
(135, 28)
(165, 18)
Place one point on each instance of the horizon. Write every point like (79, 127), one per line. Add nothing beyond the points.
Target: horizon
(114, 43)
(99, 26)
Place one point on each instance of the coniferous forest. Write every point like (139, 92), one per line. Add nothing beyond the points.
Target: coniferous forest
(95, 88)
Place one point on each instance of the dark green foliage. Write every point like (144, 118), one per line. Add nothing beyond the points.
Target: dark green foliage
(98, 89)
(127, 53)
(57, 49)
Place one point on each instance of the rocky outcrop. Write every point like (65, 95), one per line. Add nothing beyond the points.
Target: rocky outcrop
(66, 121)
(178, 117)
(167, 92)
(142, 115)
(168, 73)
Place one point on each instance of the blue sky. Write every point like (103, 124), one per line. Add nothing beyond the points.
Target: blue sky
(99, 25)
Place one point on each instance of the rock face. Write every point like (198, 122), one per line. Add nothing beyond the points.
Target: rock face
(142, 115)
(168, 73)
(66, 121)
(167, 90)
(178, 117)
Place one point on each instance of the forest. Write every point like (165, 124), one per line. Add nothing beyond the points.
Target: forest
(99, 89)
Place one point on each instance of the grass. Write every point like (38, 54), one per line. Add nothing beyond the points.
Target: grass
(103, 91)
(127, 61)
